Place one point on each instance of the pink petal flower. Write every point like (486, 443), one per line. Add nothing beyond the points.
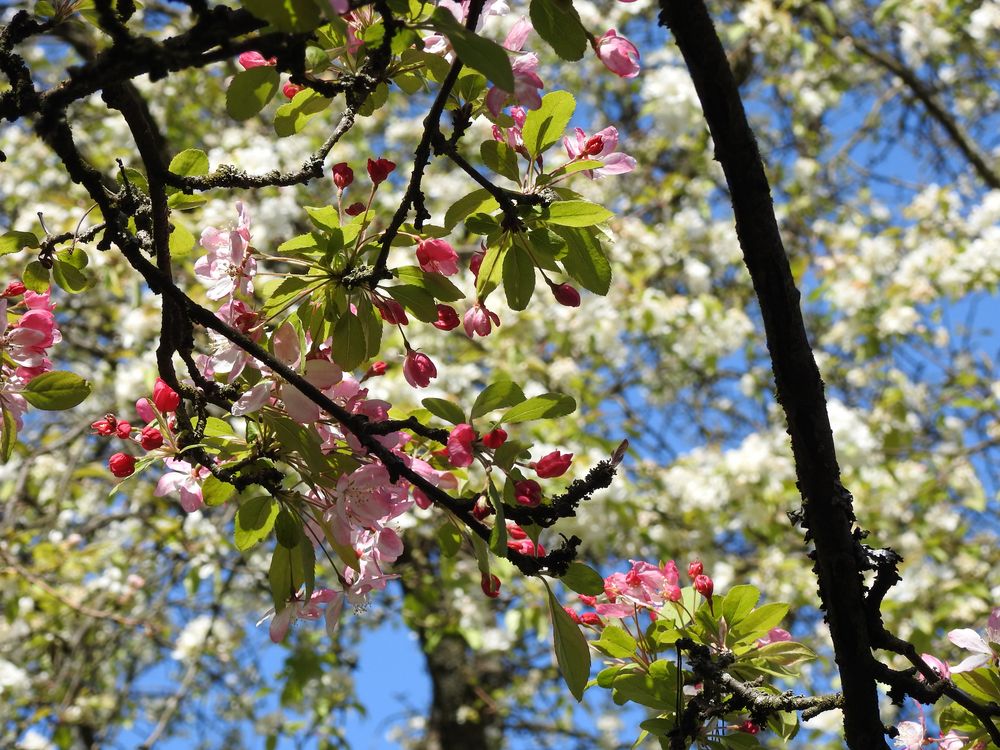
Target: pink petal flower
(459, 445)
(618, 54)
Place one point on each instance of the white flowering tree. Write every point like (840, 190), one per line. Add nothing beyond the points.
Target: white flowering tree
(324, 305)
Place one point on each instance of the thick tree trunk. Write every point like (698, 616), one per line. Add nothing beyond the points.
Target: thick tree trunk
(828, 515)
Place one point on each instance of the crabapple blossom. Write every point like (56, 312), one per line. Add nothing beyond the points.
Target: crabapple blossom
(601, 146)
(343, 175)
(391, 311)
(704, 586)
(490, 585)
(14, 289)
(437, 256)
(122, 465)
(291, 89)
(566, 294)
(495, 438)
(447, 318)
(254, 59)
(150, 438)
(379, 170)
(355, 209)
(459, 445)
(528, 493)
(970, 640)
(229, 267)
(911, 735)
(695, 569)
(145, 410)
(478, 319)
(418, 369)
(618, 54)
(185, 480)
(165, 398)
(553, 464)
(526, 86)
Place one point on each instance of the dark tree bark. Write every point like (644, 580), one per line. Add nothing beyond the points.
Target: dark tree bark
(827, 513)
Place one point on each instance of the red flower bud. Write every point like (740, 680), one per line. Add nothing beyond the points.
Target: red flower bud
(566, 294)
(572, 614)
(554, 464)
(291, 89)
(343, 175)
(122, 465)
(391, 311)
(749, 727)
(528, 493)
(165, 398)
(378, 368)
(495, 438)
(695, 569)
(447, 318)
(704, 586)
(14, 289)
(491, 586)
(123, 430)
(379, 169)
(482, 509)
(150, 438)
(591, 618)
(355, 209)
(105, 426)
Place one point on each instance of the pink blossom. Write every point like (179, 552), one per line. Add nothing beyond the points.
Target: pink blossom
(910, 737)
(145, 410)
(526, 86)
(495, 438)
(553, 464)
(255, 60)
(447, 318)
(418, 369)
(185, 480)
(618, 54)
(343, 6)
(601, 146)
(970, 640)
(528, 493)
(321, 373)
(391, 311)
(952, 741)
(443, 479)
(477, 319)
(295, 610)
(939, 666)
(774, 635)
(437, 256)
(229, 267)
(459, 446)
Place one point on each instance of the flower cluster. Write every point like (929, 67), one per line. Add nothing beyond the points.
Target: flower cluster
(24, 344)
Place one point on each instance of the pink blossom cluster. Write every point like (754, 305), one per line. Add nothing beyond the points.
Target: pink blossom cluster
(24, 343)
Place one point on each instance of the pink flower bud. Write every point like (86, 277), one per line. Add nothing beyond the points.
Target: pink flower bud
(476, 261)
(122, 465)
(528, 493)
(391, 311)
(491, 586)
(460, 442)
(479, 319)
(566, 295)
(704, 586)
(14, 289)
(291, 89)
(379, 169)
(418, 369)
(437, 256)
(695, 569)
(495, 438)
(355, 209)
(554, 464)
(482, 509)
(255, 60)
(377, 369)
(572, 614)
(749, 727)
(618, 54)
(165, 398)
(145, 410)
(591, 618)
(150, 438)
(447, 318)
(343, 175)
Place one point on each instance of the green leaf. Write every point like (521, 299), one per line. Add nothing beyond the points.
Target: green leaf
(181, 241)
(518, 278)
(286, 574)
(291, 117)
(484, 55)
(446, 410)
(496, 396)
(501, 158)
(546, 406)
(547, 124)
(576, 213)
(491, 269)
(558, 23)
(56, 390)
(478, 201)
(616, 643)
(498, 534)
(583, 579)
(449, 539)
(8, 438)
(286, 15)
(287, 529)
(250, 90)
(299, 243)
(36, 277)
(759, 621)
(508, 453)
(190, 162)
(324, 218)
(68, 277)
(584, 259)
(415, 299)
(572, 652)
(216, 492)
(15, 242)
(350, 345)
(287, 291)
(738, 603)
(254, 521)
(435, 284)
